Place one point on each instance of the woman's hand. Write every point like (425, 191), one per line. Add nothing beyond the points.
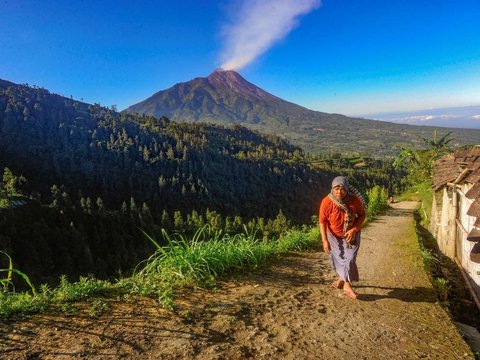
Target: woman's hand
(326, 247)
(323, 232)
(350, 236)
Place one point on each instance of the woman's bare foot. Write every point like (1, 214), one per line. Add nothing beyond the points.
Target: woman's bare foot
(338, 284)
(348, 291)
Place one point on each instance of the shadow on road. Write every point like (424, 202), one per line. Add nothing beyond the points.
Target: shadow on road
(416, 294)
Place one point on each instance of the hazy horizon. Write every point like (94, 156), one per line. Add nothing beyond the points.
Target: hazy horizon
(467, 117)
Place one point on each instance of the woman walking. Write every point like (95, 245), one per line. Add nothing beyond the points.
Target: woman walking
(341, 216)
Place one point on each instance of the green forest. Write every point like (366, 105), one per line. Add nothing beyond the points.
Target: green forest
(81, 183)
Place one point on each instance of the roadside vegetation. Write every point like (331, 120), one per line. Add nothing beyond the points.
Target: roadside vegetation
(183, 262)
(444, 274)
(419, 163)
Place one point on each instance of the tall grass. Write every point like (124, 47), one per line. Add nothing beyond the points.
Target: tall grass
(7, 281)
(182, 262)
(12, 302)
(377, 202)
(208, 255)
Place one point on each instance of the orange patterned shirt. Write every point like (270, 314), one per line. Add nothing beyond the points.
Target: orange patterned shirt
(332, 216)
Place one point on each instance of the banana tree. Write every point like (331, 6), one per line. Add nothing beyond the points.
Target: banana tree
(419, 162)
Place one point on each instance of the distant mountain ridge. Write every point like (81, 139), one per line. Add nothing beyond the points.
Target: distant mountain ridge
(460, 117)
(225, 97)
(4, 83)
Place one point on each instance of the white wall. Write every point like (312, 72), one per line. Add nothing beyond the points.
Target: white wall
(471, 268)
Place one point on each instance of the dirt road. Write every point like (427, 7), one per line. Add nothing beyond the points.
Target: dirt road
(288, 311)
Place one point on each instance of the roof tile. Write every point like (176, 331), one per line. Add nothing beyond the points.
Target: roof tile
(474, 191)
(474, 209)
(475, 253)
(474, 235)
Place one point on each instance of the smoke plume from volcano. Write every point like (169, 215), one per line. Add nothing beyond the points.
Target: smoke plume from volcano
(259, 24)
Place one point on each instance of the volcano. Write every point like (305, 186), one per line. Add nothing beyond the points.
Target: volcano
(225, 97)
(222, 97)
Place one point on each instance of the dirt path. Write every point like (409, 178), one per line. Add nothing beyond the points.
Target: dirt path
(288, 311)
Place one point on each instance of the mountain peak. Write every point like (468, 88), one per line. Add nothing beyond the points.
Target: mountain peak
(231, 80)
(227, 78)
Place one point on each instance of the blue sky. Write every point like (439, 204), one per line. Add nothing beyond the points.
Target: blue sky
(343, 56)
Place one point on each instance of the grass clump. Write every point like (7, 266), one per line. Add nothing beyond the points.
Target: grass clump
(73, 291)
(204, 258)
(377, 202)
(430, 259)
(7, 281)
(441, 287)
(97, 308)
(12, 302)
(181, 262)
(27, 302)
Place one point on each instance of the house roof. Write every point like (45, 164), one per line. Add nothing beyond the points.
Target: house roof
(462, 167)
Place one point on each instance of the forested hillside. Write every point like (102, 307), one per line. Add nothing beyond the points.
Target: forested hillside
(96, 152)
(90, 178)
